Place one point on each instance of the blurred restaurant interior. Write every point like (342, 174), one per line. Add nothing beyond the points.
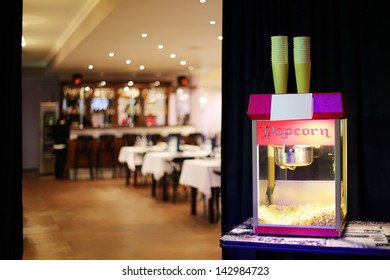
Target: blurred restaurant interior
(154, 85)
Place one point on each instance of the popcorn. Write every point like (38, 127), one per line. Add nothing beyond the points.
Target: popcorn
(301, 215)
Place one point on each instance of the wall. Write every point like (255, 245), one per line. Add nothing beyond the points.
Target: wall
(207, 117)
(35, 91)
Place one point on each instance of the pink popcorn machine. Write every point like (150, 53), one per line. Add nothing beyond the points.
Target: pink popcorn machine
(299, 144)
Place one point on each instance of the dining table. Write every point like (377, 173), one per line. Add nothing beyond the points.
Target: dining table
(133, 157)
(158, 163)
(203, 175)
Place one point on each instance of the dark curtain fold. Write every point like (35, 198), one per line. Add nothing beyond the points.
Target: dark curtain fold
(11, 233)
(349, 43)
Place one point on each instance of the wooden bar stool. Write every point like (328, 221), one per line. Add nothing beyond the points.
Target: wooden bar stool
(106, 156)
(83, 155)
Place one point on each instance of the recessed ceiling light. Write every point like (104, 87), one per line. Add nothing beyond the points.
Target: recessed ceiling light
(160, 47)
(220, 37)
(144, 35)
(212, 22)
(172, 55)
(183, 62)
(202, 1)
(141, 67)
(111, 54)
(90, 67)
(128, 61)
(156, 83)
(130, 83)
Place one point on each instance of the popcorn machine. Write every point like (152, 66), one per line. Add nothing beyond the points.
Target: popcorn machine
(299, 165)
(299, 155)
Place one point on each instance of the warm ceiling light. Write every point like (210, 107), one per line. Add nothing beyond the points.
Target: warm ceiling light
(212, 22)
(160, 47)
(202, 99)
(202, 1)
(220, 37)
(144, 35)
(130, 83)
(128, 61)
(156, 83)
(111, 54)
(183, 62)
(90, 67)
(23, 42)
(190, 68)
(172, 55)
(102, 83)
(141, 67)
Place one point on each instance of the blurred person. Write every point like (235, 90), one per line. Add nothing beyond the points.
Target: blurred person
(61, 133)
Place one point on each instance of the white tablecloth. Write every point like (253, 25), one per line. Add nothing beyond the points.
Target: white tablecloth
(198, 173)
(157, 163)
(133, 155)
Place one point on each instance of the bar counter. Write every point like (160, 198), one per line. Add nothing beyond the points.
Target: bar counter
(118, 131)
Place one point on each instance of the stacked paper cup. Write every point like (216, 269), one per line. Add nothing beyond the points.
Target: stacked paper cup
(279, 60)
(302, 63)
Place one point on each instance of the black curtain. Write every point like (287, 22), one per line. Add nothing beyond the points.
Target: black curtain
(350, 54)
(11, 232)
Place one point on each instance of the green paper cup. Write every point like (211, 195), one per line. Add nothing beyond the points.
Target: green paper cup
(279, 50)
(302, 75)
(279, 61)
(280, 75)
(302, 49)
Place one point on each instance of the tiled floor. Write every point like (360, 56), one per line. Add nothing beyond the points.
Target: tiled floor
(107, 220)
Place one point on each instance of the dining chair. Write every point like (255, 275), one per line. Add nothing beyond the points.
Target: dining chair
(155, 138)
(129, 139)
(176, 137)
(213, 203)
(177, 164)
(196, 138)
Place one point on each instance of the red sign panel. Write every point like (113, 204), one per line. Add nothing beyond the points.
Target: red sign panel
(296, 132)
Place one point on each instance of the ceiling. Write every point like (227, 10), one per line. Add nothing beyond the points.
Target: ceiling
(66, 36)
